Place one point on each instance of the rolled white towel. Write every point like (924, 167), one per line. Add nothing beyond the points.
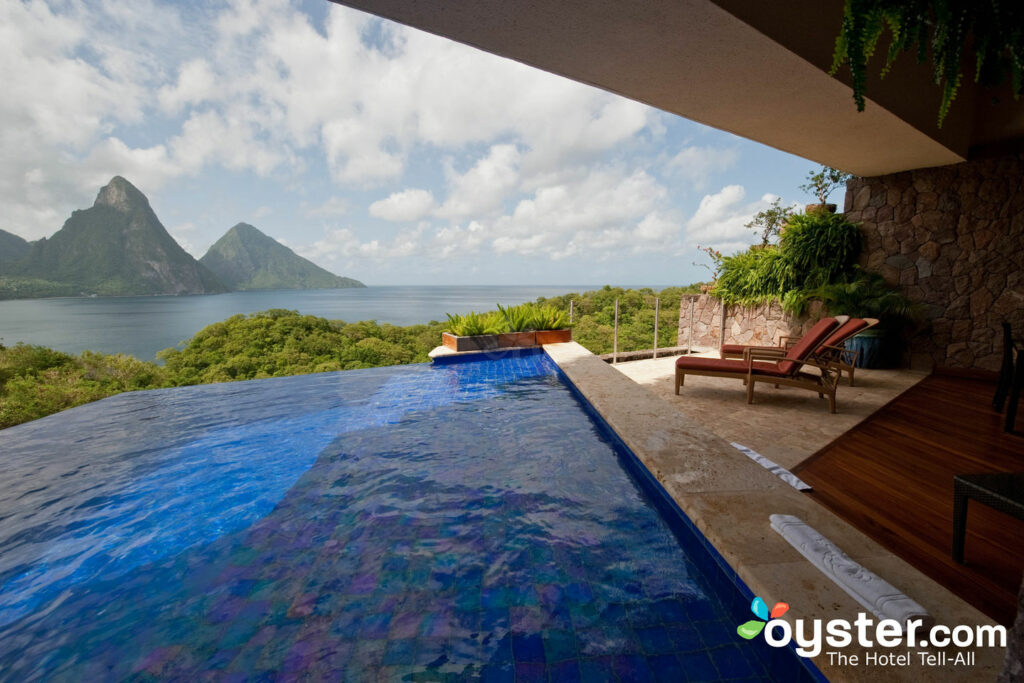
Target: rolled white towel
(876, 594)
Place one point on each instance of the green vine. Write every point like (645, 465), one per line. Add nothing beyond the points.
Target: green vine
(941, 28)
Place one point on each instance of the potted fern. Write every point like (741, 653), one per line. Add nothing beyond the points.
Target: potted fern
(868, 295)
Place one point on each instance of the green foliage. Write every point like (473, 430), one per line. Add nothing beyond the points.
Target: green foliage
(819, 247)
(753, 277)
(768, 223)
(548, 318)
(867, 295)
(474, 323)
(823, 183)
(941, 28)
(815, 249)
(517, 318)
(36, 381)
(278, 343)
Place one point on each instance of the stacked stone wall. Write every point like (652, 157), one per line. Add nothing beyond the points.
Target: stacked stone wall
(952, 239)
(754, 325)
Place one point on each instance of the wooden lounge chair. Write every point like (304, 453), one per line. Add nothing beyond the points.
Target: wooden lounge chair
(770, 367)
(846, 361)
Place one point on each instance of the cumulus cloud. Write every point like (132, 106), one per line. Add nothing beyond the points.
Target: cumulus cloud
(333, 207)
(484, 187)
(720, 219)
(405, 206)
(256, 86)
(698, 164)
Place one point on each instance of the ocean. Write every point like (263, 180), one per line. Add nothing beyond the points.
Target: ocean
(142, 325)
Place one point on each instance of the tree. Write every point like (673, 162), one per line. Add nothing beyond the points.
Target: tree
(768, 223)
(822, 183)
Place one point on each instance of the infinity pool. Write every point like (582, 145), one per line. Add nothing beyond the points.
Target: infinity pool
(449, 522)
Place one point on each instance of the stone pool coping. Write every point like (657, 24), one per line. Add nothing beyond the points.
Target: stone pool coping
(729, 499)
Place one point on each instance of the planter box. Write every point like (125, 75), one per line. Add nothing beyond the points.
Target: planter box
(511, 339)
(480, 342)
(488, 342)
(554, 336)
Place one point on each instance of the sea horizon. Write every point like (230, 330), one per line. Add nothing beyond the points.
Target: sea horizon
(143, 325)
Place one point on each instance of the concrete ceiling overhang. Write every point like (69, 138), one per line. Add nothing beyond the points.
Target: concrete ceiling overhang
(755, 69)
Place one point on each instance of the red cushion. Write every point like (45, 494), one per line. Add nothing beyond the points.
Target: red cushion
(845, 331)
(728, 365)
(733, 348)
(810, 341)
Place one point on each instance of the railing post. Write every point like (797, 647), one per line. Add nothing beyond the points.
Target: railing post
(570, 310)
(689, 337)
(657, 304)
(615, 338)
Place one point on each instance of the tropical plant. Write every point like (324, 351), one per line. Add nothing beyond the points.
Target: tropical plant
(819, 247)
(473, 323)
(768, 223)
(518, 318)
(941, 28)
(867, 295)
(548, 318)
(815, 249)
(824, 182)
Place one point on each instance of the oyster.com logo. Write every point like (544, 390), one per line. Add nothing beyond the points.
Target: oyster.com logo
(753, 628)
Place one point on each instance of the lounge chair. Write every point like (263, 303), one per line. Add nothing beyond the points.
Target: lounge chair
(846, 361)
(759, 366)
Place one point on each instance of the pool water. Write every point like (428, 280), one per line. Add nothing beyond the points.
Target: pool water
(431, 522)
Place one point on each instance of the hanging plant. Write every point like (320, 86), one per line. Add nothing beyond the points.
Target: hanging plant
(941, 28)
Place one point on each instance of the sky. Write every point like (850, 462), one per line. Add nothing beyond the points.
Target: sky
(378, 151)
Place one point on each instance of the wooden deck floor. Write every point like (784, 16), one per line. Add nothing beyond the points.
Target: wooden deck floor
(892, 477)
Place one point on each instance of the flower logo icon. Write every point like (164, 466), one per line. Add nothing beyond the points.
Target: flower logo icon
(751, 628)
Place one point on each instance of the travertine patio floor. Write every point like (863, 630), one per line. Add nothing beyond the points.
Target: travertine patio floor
(786, 424)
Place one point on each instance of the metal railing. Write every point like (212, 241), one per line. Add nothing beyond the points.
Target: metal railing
(655, 349)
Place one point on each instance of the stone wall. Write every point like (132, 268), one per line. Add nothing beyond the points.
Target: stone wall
(952, 239)
(754, 325)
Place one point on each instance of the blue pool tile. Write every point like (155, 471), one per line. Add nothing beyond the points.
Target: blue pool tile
(531, 672)
(399, 652)
(631, 668)
(527, 647)
(566, 671)
(666, 669)
(597, 669)
(698, 667)
(732, 663)
(559, 645)
(655, 640)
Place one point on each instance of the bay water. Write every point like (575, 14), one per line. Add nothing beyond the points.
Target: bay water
(142, 325)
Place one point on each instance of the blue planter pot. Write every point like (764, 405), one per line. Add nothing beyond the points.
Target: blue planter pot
(876, 350)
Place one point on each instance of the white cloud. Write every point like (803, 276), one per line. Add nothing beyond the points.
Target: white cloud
(342, 243)
(605, 211)
(405, 206)
(483, 188)
(720, 220)
(334, 206)
(698, 164)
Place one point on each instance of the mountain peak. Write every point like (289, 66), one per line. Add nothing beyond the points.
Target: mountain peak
(120, 194)
(246, 258)
(246, 229)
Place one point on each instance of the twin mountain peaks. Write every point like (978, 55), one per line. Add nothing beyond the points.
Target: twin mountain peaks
(119, 247)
